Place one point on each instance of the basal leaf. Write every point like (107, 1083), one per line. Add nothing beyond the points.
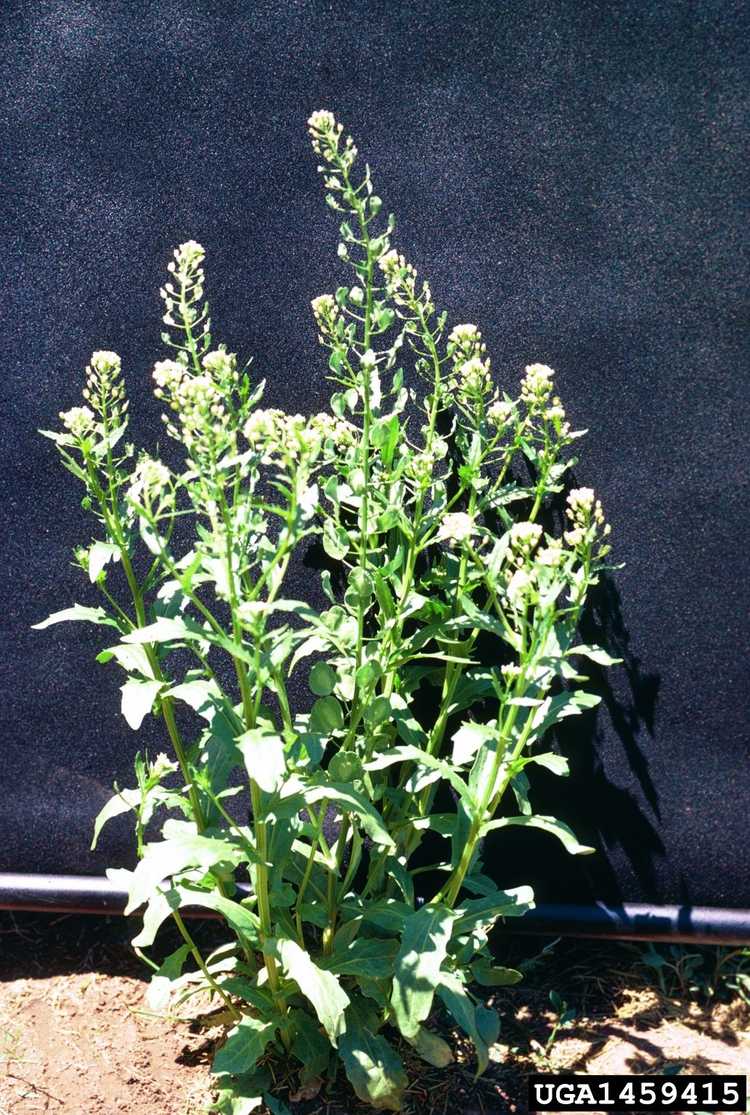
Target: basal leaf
(432, 1048)
(424, 947)
(157, 995)
(373, 1067)
(365, 956)
(245, 1044)
(461, 1006)
(322, 988)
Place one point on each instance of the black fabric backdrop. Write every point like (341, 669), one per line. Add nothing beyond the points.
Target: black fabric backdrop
(570, 176)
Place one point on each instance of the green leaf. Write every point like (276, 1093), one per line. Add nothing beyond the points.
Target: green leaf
(461, 1007)
(164, 630)
(172, 856)
(488, 976)
(322, 679)
(138, 698)
(326, 716)
(157, 996)
(424, 947)
(245, 1044)
(132, 658)
(406, 753)
(432, 1048)
(309, 1046)
(322, 988)
(99, 555)
(558, 764)
(365, 956)
(78, 611)
(596, 654)
(547, 824)
(122, 802)
(469, 738)
(349, 801)
(263, 754)
(238, 917)
(483, 912)
(373, 1067)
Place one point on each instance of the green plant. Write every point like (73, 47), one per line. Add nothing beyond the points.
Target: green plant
(415, 510)
(703, 972)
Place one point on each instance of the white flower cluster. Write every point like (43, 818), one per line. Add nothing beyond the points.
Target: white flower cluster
(275, 433)
(150, 479)
(78, 420)
(524, 537)
(501, 413)
(196, 399)
(473, 378)
(326, 313)
(400, 276)
(456, 527)
(168, 374)
(188, 258)
(220, 365)
(104, 387)
(586, 516)
(160, 767)
(325, 134)
(536, 385)
(324, 307)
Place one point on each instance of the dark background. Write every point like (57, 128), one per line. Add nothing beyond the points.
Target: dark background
(571, 177)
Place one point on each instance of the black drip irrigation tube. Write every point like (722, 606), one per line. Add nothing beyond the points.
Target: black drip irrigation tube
(708, 925)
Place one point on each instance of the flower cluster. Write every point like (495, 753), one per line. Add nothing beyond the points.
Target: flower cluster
(536, 385)
(586, 515)
(501, 413)
(326, 134)
(150, 481)
(456, 527)
(78, 420)
(104, 388)
(400, 278)
(182, 302)
(326, 313)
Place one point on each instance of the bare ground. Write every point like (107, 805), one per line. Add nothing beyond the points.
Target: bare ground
(76, 1039)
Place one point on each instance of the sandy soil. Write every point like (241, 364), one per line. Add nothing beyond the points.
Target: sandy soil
(76, 1038)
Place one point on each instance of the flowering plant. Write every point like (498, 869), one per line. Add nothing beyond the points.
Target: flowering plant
(338, 944)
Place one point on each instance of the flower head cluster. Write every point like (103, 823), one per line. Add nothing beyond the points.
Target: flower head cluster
(501, 413)
(586, 516)
(277, 435)
(325, 134)
(79, 421)
(150, 481)
(221, 366)
(400, 276)
(197, 401)
(326, 313)
(456, 527)
(187, 260)
(104, 389)
(473, 379)
(182, 302)
(536, 385)
(524, 538)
